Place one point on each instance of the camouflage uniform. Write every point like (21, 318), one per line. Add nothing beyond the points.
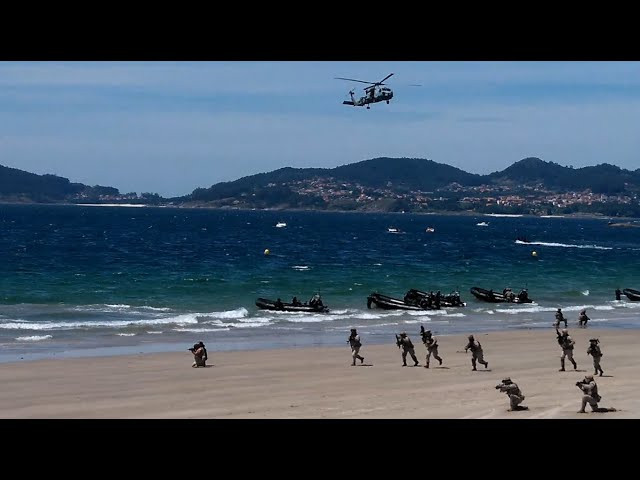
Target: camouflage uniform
(199, 355)
(513, 392)
(590, 389)
(596, 353)
(476, 352)
(583, 319)
(432, 347)
(560, 318)
(354, 342)
(567, 343)
(407, 347)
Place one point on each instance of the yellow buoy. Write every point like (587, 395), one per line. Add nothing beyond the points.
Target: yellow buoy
(266, 251)
(534, 253)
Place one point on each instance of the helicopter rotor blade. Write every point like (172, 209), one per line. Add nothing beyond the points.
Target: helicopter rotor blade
(380, 82)
(353, 80)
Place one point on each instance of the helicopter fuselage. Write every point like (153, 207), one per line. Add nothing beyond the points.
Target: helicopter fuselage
(373, 96)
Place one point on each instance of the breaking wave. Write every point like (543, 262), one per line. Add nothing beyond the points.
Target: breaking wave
(563, 245)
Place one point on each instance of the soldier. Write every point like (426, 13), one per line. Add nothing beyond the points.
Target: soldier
(596, 353)
(590, 389)
(583, 319)
(200, 356)
(354, 342)
(560, 318)
(405, 343)
(476, 352)
(513, 392)
(432, 346)
(567, 344)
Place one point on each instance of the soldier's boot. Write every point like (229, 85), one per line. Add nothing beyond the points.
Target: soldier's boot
(575, 365)
(561, 365)
(473, 364)
(353, 364)
(404, 364)
(440, 360)
(601, 372)
(361, 360)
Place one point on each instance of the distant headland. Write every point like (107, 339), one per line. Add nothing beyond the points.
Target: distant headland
(528, 187)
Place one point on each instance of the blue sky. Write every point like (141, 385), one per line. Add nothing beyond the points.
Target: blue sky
(170, 127)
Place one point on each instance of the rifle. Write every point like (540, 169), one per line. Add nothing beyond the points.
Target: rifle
(560, 342)
(398, 341)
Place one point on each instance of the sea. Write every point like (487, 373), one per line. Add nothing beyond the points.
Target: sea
(90, 281)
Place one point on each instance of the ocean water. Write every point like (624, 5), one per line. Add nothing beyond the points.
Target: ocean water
(90, 281)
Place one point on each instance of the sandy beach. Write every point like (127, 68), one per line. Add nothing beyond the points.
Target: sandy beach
(320, 382)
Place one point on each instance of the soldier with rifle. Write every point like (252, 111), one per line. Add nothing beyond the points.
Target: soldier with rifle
(567, 344)
(404, 342)
(355, 343)
(432, 345)
(476, 353)
(513, 392)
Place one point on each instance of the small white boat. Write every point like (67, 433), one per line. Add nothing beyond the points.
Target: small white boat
(393, 230)
(430, 230)
(280, 224)
(482, 224)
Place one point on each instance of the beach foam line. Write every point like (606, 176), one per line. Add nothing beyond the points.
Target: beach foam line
(563, 245)
(419, 313)
(201, 330)
(126, 334)
(248, 324)
(117, 307)
(537, 309)
(34, 338)
(189, 318)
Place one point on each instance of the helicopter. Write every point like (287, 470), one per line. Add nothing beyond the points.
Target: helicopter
(374, 93)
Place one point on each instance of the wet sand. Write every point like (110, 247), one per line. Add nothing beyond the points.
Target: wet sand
(321, 383)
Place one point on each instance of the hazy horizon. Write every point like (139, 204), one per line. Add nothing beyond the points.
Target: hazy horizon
(171, 127)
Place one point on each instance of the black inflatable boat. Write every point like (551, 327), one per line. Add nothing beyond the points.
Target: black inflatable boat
(414, 296)
(498, 297)
(267, 304)
(390, 303)
(633, 295)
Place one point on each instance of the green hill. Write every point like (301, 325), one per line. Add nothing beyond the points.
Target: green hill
(20, 186)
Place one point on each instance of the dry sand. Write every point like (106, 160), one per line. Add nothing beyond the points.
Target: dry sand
(320, 383)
